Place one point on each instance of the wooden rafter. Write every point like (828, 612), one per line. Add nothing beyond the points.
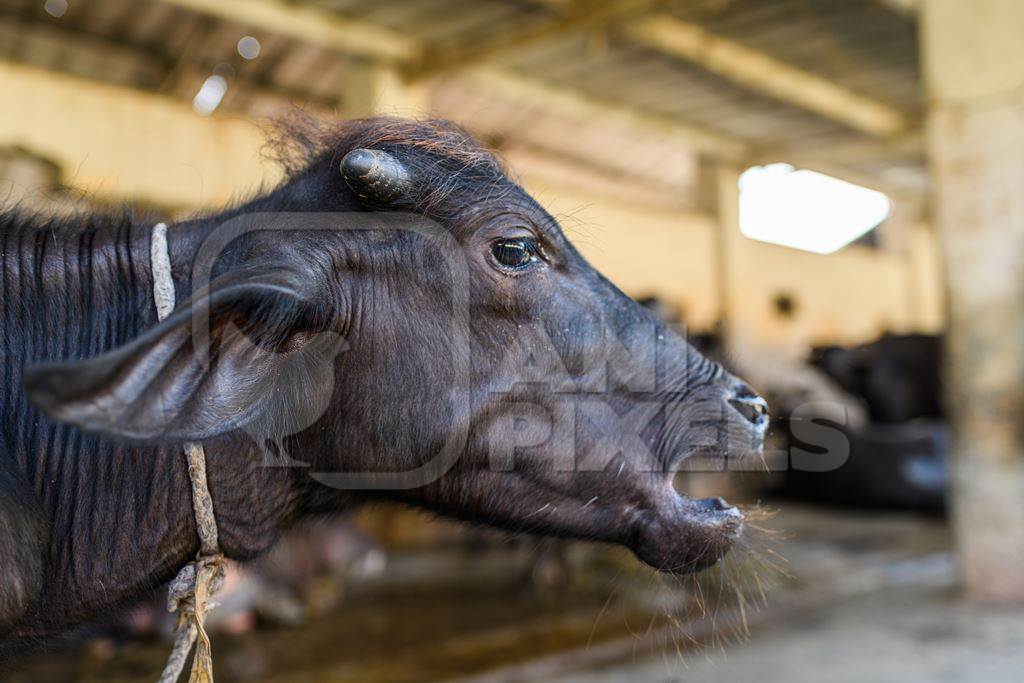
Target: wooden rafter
(313, 25)
(759, 72)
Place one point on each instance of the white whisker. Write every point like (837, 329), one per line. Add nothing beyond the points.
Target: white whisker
(539, 510)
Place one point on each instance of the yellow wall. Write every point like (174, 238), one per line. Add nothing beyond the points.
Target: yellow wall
(644, 251)
(851, 296)
(122, 144)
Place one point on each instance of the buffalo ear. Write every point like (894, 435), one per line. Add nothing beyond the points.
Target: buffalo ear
(377, 178)
(217, 363)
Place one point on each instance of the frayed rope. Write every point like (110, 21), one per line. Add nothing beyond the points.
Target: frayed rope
(192, 590)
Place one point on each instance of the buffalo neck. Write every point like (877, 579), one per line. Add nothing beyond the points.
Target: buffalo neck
(119, 514)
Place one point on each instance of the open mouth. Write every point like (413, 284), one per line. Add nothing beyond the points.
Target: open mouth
(687, 535)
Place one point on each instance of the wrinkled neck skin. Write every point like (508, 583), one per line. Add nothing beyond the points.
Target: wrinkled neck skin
(118, 515)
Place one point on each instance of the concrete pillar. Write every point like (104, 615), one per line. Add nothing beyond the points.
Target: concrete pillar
(926, 294)
(372, 89)
(727, 250)
(973, 58)
(733, 263)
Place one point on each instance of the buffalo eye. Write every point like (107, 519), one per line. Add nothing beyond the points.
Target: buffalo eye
(515, 253)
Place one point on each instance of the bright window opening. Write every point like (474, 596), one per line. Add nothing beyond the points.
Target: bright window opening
(805, 209)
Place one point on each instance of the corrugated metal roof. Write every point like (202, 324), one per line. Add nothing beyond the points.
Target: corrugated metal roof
(856, 43)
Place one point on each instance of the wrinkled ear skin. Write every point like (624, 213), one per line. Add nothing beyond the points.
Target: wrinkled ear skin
(378, 179)
(162, 387)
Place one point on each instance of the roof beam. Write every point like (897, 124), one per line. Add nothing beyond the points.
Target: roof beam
(859, 151)
(324, 28)
(912, 193)
(569, 16)
(907, 8)
(161, 68)
(530, 92)
(767, 75)
(310, 24)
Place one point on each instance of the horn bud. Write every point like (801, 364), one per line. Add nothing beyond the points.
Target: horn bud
(377, 178)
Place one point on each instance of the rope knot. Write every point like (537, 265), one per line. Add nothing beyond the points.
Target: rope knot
(204, 577)
(191, 595)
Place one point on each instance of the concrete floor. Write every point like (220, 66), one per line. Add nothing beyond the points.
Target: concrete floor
(869, 598)
(904, 635)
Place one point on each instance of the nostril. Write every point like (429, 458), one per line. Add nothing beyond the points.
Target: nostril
(713, 503)
(742, 391)
(752, 407)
